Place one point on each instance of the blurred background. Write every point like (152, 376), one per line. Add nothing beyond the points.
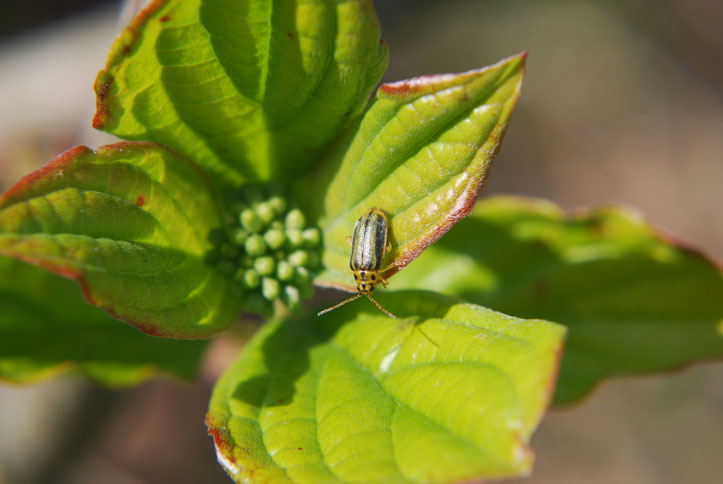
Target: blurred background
(622, 103)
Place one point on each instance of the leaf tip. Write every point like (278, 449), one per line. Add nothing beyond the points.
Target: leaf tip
(223, 445)
(51, 168)
(524, 457)
(121, 48)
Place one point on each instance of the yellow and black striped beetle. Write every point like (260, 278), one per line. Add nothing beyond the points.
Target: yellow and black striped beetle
(369, 243)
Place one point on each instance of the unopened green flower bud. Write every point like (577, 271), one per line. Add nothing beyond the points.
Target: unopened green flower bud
(275, 238)
(302, 276)
(250, 221)
(292, 297)
(278, 204)
(270, 288)
(311, 236)
(265, 251)
(285, 271)
(299, 258)
(295, 219)
(265, 265)
(295, 237)
(265, 212)
(251, 279)
(255, 246)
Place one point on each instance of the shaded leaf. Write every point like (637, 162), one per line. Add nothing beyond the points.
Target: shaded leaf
(46, 328)
(421, 155)
(129, 223)
(251, 89)
(633, 301)
(451, 391)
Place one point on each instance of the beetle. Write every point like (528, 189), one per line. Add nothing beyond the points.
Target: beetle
(369, 243)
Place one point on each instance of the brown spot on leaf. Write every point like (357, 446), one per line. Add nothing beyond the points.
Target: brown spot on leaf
(140, 201)
(289, 34)
(165, 18)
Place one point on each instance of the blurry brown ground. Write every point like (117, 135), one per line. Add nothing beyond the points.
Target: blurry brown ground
(622, 103)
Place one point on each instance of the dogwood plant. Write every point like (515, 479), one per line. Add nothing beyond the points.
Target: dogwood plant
(253, 149)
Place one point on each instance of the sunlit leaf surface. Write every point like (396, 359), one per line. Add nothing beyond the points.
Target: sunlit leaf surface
(251, 89)
(449, 391)
(128, 222)
(421, 155)
(633, 301)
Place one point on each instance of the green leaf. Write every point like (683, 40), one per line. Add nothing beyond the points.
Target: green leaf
(47, 328)
(633, 301)
(421, 154)
(450, 391)
(129, 223)
(249, 90)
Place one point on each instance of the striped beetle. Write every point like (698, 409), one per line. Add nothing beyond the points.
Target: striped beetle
(369, 243)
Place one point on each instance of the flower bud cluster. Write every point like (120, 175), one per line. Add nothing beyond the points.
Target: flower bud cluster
(265, 248)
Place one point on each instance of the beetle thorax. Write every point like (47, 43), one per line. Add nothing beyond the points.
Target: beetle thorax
(366, 281)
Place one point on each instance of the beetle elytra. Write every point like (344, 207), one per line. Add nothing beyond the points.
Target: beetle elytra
(369, 243)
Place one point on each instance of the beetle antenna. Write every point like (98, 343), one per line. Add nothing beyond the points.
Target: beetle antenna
(380, 307)
(338, 305)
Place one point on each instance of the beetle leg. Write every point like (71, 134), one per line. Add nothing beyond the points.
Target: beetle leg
(387, 268)
(348, 239)
(388, 248)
